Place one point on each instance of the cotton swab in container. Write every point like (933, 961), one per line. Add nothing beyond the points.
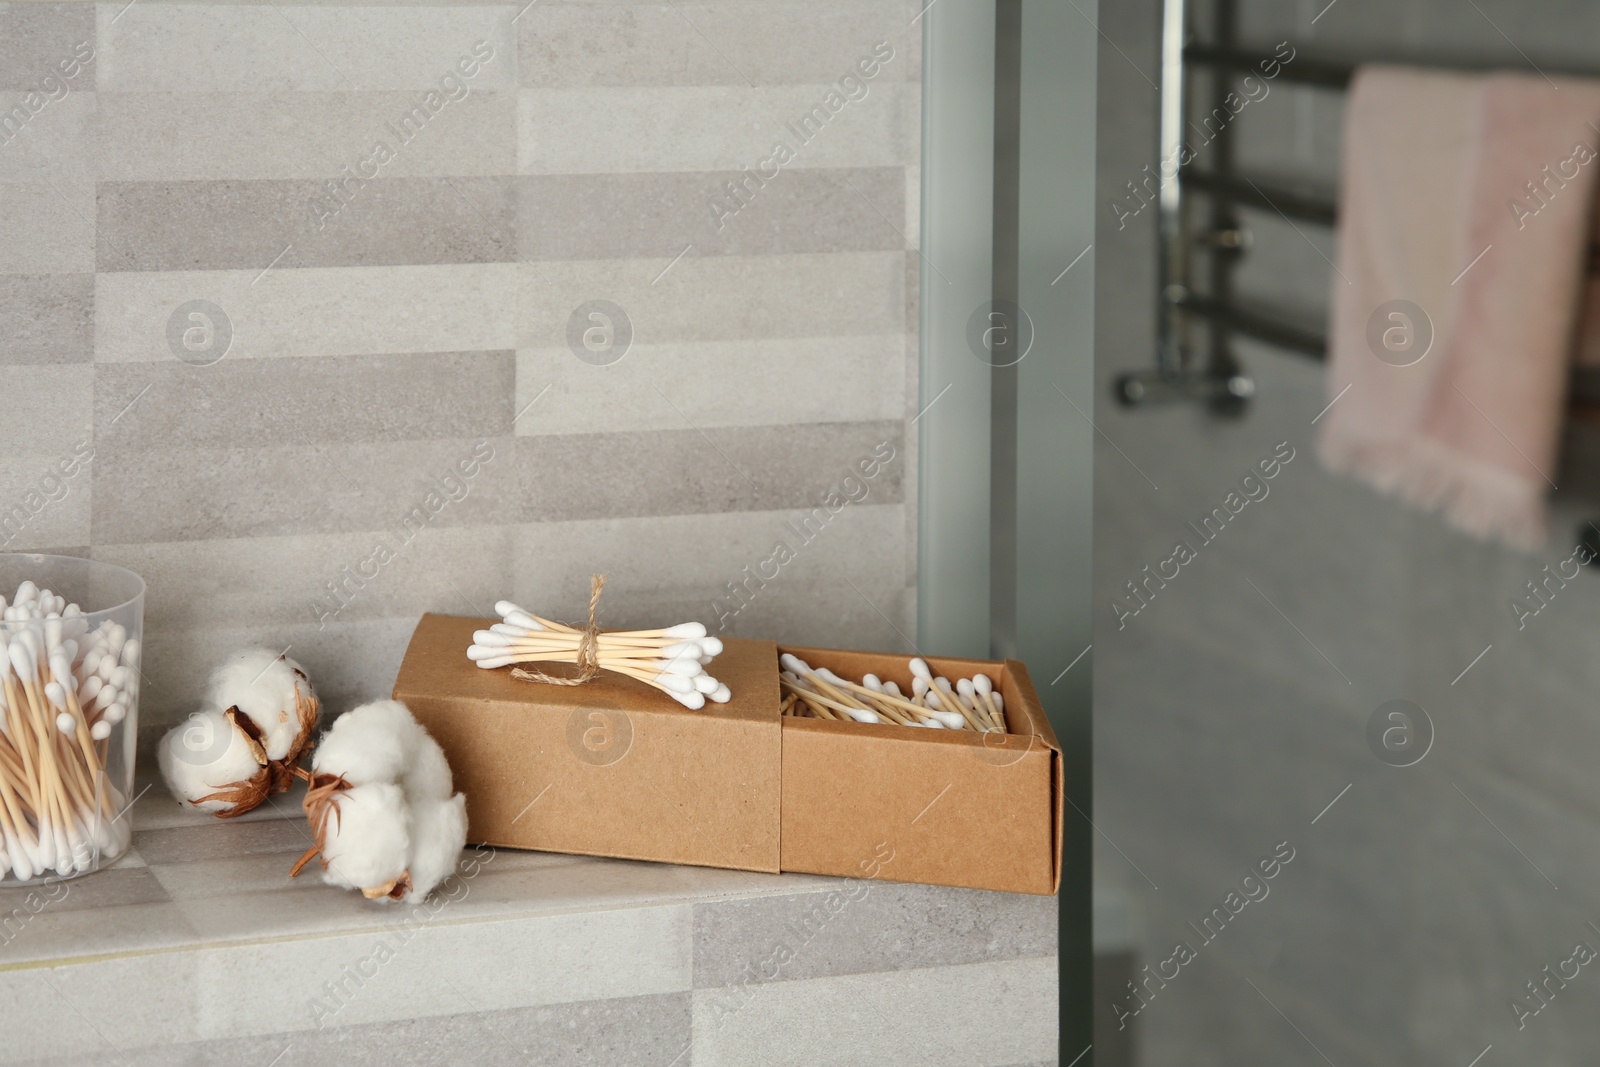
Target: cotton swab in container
(672, 659)
(68, 681)
(816, 692)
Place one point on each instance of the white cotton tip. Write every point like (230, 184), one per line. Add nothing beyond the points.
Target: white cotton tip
(919, 669)
(116, 635)
(21, 662)
(27, 593)
(982, 684)
(508, 630)
(721, 694)
(52, 634)
(91, 660)
(121, 676)
(199, 756)
(862, 715)
(919, 687)
(55, 694)
(686, 629)
(20, 860)
(951, 720)
(686, 668)
(477, 653)
(693, 701)
(268, 687)
(490, 639)
(115, 713)
(438, 834)
(108, 663)
(368, 840)
(674, 683)
(794, 663)
(711, 645)
(872, 682)
(965, 687)
(943, 684)
(90, 688)
(704, 683)
(65, 723)
(999, 702)
(130, 654)
(892, 689)
(500, 661)
(527, 622)
(933, 724)
(100, 730)
(683, 650)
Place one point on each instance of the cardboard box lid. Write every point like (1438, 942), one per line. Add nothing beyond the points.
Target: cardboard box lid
(613, 767)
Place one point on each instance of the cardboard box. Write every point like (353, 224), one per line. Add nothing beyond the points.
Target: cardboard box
(616, 768)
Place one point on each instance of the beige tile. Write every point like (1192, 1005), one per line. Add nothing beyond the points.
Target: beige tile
(717, 298)
(40, 510)
(47, 318)
(35, 39)
(610, 43)
(342, 398)
(711, 128)
(47, 227)
(283, 225)
(632, 216)
(159, 136)
(714, 383)
(862, 927)
(197, 48)
(50, 139)
(316, 312)
(46, 409)
(963, 1016)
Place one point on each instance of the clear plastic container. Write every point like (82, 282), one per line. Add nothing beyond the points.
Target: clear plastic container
(69, 711)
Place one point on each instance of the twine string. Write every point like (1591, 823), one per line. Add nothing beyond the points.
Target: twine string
(587, 659)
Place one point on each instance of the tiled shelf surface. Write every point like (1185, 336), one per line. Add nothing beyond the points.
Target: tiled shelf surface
(197, 948)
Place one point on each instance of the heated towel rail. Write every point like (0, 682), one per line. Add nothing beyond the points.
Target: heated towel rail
(1222, 239)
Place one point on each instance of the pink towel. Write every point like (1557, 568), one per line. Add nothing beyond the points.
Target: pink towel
(1468, 198)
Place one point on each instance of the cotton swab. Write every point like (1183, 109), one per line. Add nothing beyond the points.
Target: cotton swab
(672, 659)
(970, 703)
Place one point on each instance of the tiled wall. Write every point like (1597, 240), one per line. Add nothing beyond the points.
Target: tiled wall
(1234, 708)
(395, 214)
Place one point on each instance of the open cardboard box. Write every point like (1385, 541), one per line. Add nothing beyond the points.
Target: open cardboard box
(616, 768)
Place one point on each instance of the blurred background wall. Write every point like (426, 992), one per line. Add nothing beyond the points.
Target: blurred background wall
(1233, 708)
(371, 320)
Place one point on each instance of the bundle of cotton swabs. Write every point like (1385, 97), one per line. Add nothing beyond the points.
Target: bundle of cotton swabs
(672, 659)
(816, 692)
(62, 688)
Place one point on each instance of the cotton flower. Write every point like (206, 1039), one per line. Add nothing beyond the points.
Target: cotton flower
(243, 746)
(380, 805)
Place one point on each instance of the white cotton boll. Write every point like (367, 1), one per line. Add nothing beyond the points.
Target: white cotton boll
(428, 776)
(367, 839)
(373, 743)
(265, 686)
(438, 834)
(201, 755)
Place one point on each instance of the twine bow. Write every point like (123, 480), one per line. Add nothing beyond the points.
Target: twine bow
(587, 660)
